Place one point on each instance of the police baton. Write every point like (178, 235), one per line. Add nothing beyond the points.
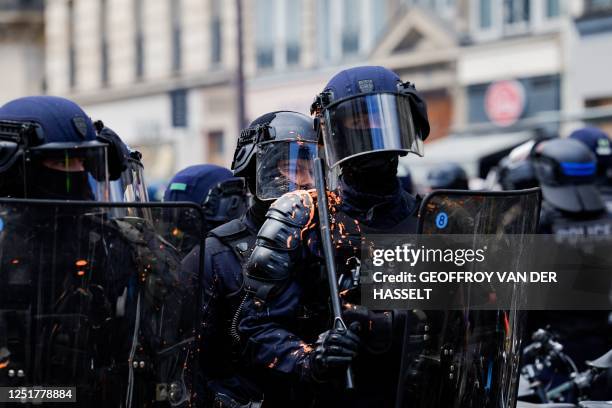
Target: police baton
(328, 251)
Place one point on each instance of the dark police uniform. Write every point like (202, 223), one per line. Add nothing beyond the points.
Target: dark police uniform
(279, 330)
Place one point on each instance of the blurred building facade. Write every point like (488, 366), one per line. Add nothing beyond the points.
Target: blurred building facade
(158, 72)
(591, 53)
(163, 72)
(22, 48)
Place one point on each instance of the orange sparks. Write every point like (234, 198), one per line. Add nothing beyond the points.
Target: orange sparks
(175, 232)
(4, 365)
(306, 347)
(273, 363)
(81, 263)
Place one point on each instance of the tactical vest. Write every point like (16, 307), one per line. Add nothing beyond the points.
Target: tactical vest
(240, 239)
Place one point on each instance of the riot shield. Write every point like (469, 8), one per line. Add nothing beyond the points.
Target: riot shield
(480, 212)
(93, 296)
(470, 358)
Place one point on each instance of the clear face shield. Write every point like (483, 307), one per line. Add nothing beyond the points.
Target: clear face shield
(284, 166)
(369, 123)
(130, 187)
(67, 171)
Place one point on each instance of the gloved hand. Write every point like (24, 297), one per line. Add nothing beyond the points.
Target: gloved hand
(335, 350)
(118, 152)
(377, 327)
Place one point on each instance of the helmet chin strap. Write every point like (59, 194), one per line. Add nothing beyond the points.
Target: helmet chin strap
(372, 173)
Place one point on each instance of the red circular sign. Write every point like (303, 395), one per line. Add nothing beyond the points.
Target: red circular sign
(504, 102)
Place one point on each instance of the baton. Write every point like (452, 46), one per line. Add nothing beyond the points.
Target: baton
(328, 251)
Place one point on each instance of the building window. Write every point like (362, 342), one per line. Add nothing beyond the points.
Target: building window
(215, 147)
(350, 27)
(178, 100)
(215, 32)
(379, 12)
(516, 11)
(293, 30)
(323, 30)
(278, 33)
(346, 28)
(71, 45)
(492, 19)
(552, 8)
(104, 60)
(175, 18)
(265, 33)
(139, 38)
(485, 14)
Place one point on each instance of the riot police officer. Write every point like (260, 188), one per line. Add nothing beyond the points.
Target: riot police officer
(84, 288)
(566, 171)
(368, 118)
(573, 211)
(447, 176)
(222, 196)
(274, 155)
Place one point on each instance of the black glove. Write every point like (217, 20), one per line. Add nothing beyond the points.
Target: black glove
(118, 152)
(335, 349)
(377, 334)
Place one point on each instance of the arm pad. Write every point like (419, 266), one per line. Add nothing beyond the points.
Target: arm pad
(278, 244)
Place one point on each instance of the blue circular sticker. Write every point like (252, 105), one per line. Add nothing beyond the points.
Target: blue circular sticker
(441, 220)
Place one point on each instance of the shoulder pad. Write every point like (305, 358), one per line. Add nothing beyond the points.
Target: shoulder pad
(236, 236)
(229, 230)
(296, 208)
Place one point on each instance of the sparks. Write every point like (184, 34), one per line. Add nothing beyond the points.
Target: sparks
(273, 363)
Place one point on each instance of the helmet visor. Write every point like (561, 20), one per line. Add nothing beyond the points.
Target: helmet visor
(369, 123)
(284, 166)
(59, 171)
(130, 186)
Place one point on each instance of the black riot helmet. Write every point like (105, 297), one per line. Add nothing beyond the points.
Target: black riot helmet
(275, 154)
(365, 110)
(448, 176)
(517, 175)
(566, 170)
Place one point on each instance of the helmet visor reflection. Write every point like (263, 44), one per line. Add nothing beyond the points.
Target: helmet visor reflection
(284, 166)
(369, 123)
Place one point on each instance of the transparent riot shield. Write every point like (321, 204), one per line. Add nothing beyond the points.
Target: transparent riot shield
(93, 296)
(469, 358)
